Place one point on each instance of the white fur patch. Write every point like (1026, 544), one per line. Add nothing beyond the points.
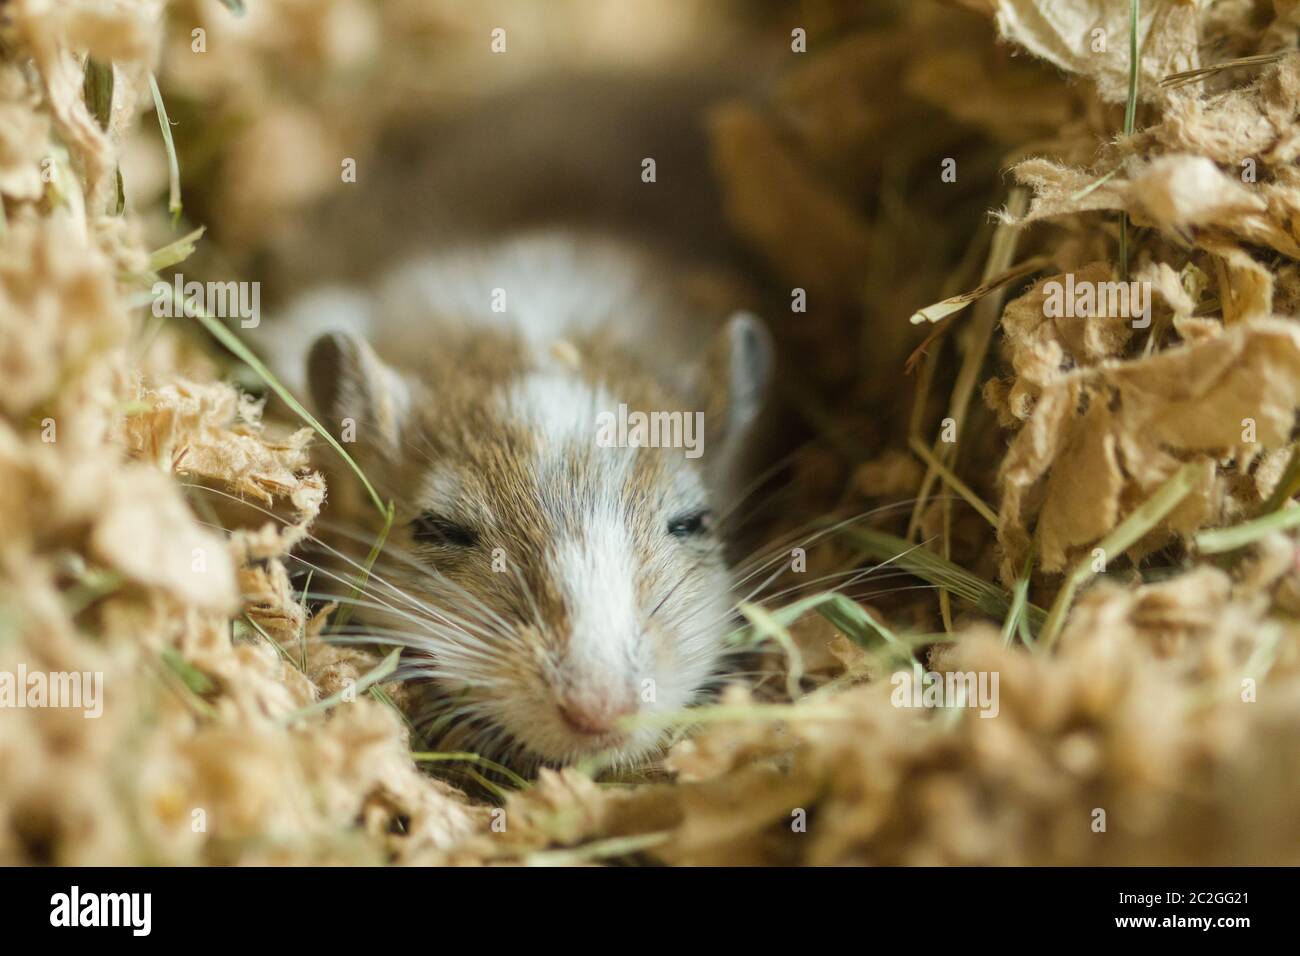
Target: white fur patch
(441, 489)
(597, 566)
(548, 286)
(563, 410)
(597, 575)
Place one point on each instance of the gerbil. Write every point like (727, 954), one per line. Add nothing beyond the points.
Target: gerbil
(556, 587)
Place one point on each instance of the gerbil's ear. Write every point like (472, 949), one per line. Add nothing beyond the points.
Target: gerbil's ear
(739, 372)
(358, 397)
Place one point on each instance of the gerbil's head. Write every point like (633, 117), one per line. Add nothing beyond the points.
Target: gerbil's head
(560, 582)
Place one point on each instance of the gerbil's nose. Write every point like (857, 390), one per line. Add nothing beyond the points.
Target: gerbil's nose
(596, 712)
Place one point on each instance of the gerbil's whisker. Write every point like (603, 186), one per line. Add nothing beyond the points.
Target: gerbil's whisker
(482, 612)
(459, 628)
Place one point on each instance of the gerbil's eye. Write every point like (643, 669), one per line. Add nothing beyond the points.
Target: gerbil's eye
(692, 524)
(430, 528)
